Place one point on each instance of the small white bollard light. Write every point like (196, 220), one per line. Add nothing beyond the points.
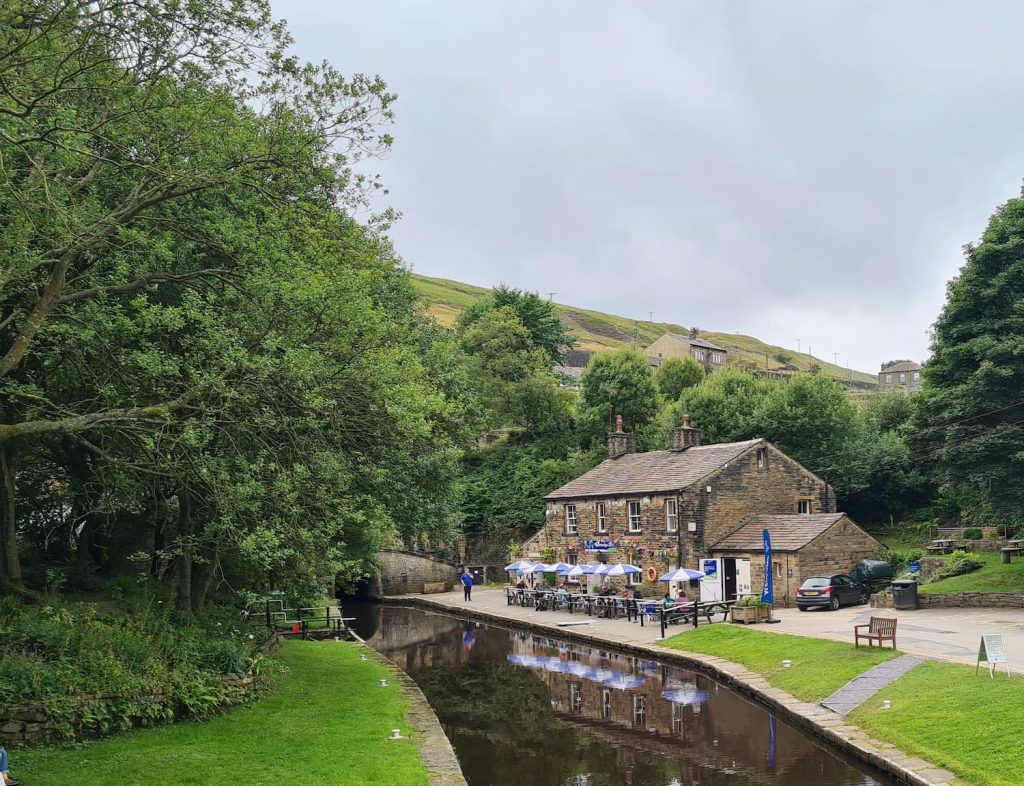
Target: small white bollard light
(362, 657)
(886, 705)
(396, 734)
(787, 663)
(383, 683)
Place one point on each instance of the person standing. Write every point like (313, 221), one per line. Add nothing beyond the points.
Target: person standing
(467, 584)
(4, 773)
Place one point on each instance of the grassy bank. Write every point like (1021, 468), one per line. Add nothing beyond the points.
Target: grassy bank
(326, 725)
(994, 577)
(819, 667)
(942, 712)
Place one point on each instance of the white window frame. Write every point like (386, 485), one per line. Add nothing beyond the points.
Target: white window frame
(638, 520)
(803, 506)
(888, 379)
(575, 698)
(778, 569)
(762, 458)
(698, 354)
(903, 376)
(602, 517)
(606, 703)
(671, 515)
(571, 520)
(635, 579)
(677, 719)
(640, 710)
(917, 376)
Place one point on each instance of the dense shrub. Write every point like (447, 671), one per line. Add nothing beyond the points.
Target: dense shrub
(901, 558)
(972, 533)
(56, 653)
(959, 563)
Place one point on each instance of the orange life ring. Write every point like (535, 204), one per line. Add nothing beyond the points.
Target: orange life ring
(651, 573)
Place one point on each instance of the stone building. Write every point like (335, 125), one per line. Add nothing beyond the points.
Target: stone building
(672, 345)
(802, 546)
(668, 508)
(902, 375)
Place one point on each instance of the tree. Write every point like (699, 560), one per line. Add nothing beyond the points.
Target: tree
(617, 383)
(722, 406)
(675, 375)
(970, 406)
(538, 316)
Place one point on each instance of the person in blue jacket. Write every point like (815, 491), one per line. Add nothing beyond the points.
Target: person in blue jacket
(7, 779)
(467, 583)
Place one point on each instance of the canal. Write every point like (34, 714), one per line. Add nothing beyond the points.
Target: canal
(527, 709)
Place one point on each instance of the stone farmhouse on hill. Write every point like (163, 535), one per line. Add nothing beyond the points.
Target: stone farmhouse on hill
(903, 375)
(678, 507)
(672, 345)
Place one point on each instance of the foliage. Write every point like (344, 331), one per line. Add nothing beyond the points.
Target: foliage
(326, 688)
(539, 317)
(992, 577)
(972, 533)
(722, 406)
(970, 420)
(617, 383)
(675, 375)
(957, 564)
(900, 559)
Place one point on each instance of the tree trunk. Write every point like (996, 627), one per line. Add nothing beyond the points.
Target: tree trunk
(183, 571)
(10, 564)
(203, 577)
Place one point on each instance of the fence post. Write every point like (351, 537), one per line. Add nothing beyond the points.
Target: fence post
(267, 606)
(696, 611)
(661, 615)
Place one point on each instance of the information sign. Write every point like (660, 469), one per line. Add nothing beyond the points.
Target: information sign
(915, 566)
(991, 652)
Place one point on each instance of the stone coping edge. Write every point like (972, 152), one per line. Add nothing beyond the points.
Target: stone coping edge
(813, 718)
(435, 748)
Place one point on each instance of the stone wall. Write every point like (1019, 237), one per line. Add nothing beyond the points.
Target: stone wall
(996, 600)
(405, 571)
(38, 723)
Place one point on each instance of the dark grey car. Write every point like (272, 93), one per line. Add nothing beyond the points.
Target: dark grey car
(830, 591)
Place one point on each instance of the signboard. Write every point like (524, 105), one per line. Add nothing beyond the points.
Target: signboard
(991, 652)
(710, 568)
(915, 566)
(603, 546)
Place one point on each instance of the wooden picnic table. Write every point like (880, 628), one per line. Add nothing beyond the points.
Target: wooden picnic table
(941, 546)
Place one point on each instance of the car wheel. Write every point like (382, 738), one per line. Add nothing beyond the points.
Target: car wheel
(802, 608)
(864, 597)
(834, 603)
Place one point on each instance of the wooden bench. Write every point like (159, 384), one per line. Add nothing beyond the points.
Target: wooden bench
(878, 629)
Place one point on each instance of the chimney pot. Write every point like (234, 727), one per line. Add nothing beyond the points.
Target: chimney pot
(618, 424)
(619, 443)
(684, 436)
(686, 421)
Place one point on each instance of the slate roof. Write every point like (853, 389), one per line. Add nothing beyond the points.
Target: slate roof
(651, 472)
(788, 533)
(906, 365)
(698, 342)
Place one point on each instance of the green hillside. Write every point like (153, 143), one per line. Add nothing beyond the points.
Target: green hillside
(597, 331)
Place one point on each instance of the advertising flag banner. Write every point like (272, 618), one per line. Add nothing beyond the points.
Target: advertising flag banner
(768, 592)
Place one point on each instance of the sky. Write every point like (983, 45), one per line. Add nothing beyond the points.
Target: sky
(803, 172)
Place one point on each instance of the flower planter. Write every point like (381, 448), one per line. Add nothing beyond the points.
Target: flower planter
(749, 615)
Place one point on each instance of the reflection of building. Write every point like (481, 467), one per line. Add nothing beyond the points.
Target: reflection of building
(902, 375)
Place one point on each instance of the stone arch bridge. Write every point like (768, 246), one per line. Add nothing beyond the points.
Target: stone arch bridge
(403, 571)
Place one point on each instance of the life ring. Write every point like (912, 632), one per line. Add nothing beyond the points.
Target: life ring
(651, 574)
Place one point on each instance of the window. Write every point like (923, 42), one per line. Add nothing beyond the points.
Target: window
(677, 718)
(778, 570)
(903, 376)
(762, 458)
(917, 376)
(602, 517)
(634, 516)
(575, 698)
(640, 711)
(635, 579)
(606, 703)
(671, 517)
(570, 519)
(888, 379)
(716, 357)
(571, 559)
(698, 354)
(803, 506)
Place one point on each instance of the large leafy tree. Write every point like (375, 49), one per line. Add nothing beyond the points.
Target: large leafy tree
(617, 383)
(538, 316)
(675, 375)
(972, 399)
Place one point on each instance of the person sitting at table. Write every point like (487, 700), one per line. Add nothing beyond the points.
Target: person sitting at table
(667, 600)
(521, 584)
(681, 597)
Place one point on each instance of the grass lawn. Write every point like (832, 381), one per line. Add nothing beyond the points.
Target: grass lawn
(326, 724)
(972, 726)
(994, 577)
(819, 667)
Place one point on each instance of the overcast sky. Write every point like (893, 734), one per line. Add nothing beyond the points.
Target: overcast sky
(788, 170)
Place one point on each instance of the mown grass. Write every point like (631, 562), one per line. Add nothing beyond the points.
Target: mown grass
(597, 331)
(326, 724)
(819, 667)
(971, 725)
(994, 577)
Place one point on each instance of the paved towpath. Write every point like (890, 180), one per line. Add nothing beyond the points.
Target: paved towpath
(936, 634)
(860, 689)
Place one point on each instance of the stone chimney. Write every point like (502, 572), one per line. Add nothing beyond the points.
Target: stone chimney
(684, 437)
(620, 443)
(694, 333)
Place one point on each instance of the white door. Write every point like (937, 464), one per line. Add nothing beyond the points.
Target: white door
(743, 576)
(711, 584)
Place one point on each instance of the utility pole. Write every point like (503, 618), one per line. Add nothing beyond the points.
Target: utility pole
(798, 347)
(809, 350)
(551, 295)
(650, 316)
(835, 358)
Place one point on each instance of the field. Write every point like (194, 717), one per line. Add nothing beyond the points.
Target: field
(600, 332)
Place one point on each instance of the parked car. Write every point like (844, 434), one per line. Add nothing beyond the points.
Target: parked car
(833, 591)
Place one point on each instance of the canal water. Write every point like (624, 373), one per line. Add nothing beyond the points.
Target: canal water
(528, 710)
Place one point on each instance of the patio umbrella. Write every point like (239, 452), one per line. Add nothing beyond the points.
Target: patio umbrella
(540, 567)
(620, 570)
(683, 574)
(558, 567)
(520, 565)
(578, 570)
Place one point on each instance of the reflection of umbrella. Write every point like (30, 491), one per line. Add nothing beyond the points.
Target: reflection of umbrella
(520, 565)
(683, 574)
(620, 570)
(624, 682)
(687, 695)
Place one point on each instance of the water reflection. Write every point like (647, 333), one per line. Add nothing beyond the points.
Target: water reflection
(524, 709)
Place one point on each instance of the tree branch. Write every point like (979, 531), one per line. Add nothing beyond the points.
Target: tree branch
(154, 280)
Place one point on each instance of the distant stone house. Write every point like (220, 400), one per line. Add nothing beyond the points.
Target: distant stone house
(802, 546)
(673, 345)
(674, 507)
(903, 375)
(571, 370)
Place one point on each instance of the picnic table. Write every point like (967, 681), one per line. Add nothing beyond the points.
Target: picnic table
(693, 611)
(942, 546)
